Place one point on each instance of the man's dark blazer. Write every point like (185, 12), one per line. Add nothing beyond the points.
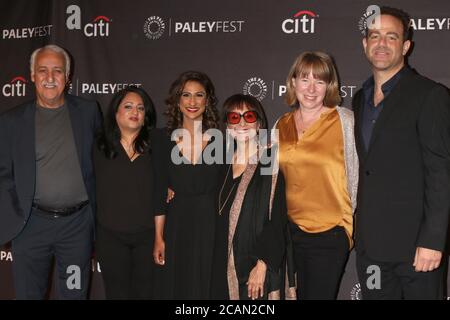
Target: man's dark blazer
(18, 159)
(404, 180)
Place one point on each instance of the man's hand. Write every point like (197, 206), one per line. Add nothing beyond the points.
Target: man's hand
(255, 283)
(427, 259)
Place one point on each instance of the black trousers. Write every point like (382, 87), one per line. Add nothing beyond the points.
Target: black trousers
(126, 263)
(320, 260)
(398, 280)
(67, 239)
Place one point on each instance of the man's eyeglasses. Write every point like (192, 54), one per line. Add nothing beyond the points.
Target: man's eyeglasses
(235, 117)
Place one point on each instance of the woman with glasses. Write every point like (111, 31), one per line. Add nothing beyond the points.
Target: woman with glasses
(185, 230)
(251, 211)
(318, 159)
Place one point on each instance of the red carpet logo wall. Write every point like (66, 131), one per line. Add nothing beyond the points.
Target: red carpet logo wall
(244, 46)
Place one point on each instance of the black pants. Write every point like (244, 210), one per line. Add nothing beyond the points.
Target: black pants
(126, 263)
(398, 280)
(320, 260)
(69, 240)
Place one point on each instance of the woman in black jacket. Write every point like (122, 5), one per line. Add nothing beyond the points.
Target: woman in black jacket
(251, 217)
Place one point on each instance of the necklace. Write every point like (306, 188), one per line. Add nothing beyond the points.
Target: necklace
(128, 149)
(229, 194)
(302, 125)
(301, 122)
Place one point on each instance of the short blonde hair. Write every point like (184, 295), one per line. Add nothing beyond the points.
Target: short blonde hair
(322, 67)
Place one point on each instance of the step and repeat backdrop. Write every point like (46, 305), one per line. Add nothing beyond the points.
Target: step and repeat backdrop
(245, 46)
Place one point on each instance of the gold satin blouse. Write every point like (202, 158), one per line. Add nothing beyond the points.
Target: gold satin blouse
(314, 170)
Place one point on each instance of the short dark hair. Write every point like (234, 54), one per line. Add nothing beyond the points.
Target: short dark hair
(108, 138)
(239, 101)
(175, 117)
(400, 15)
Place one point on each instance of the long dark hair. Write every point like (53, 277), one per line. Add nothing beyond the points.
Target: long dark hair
(108, 138)
(173, 113)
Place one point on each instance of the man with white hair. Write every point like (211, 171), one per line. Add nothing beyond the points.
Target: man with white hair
(47, 198)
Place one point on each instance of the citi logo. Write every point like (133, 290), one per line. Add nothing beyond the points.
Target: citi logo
(99, 27)
(422, 24)
(15, 88)
(303, 22)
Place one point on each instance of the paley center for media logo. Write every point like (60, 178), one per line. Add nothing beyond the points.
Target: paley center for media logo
(105, 88)
(344, 90)
(303, 21)
(259, 88)
(6, 256)
(27, 32)
(430, 24)
(255, 87)
(355, 293)
(155, 26)
(16, 87)
(98, 27)
(78, 87)
(371, 19)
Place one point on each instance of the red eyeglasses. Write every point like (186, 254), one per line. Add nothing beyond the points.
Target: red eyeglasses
(235, 117)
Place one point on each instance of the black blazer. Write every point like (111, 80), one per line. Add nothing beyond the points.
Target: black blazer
(404, 181)
(18, 159)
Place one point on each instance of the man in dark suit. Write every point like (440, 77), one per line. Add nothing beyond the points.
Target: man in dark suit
(402, 129)
(47, 185)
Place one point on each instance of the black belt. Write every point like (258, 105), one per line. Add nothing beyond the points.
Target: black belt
(62, 212)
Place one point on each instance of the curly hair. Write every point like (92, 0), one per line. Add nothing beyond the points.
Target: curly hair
(173, 113)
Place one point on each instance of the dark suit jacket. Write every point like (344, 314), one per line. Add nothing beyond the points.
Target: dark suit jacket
(404, 183)
(18, 159)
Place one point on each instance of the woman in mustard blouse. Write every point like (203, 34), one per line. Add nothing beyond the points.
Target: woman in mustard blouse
(318, 159)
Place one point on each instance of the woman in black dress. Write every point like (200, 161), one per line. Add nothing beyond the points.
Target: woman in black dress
(185, 234)
(126, 193)
(250, 223)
